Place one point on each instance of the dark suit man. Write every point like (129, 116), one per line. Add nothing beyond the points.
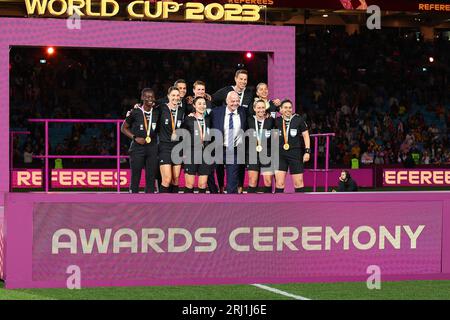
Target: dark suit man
(230, 120)
(246, 96)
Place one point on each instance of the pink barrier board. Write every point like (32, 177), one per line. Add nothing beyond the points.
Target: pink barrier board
(2, 242)
(125, 240)
(416, 177)
(106, 178)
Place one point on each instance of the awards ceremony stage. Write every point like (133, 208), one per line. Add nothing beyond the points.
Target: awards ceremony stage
(137, 240)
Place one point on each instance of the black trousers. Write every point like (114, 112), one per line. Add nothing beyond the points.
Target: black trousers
(143, 156)
(220, 170)
(212, 181)
(235, 173)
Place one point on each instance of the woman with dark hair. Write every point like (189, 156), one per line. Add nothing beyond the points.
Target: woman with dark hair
(172, 116)
(198, 126)
(293, 129)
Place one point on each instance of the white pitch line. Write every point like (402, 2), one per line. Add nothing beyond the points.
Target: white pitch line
(281, 292)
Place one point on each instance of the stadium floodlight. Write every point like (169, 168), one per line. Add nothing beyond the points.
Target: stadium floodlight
(50, 50)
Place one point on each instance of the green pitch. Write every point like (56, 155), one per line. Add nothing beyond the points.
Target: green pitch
(315, 291)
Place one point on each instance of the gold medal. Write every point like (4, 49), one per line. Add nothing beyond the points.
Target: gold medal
(173, 137)
(286, 146)
(259, 132)
(147, 125)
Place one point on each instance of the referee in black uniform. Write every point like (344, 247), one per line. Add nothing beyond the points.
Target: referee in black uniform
(292, 129)
(258, 148)
(198, 126)
(141, 126)
(171, 118)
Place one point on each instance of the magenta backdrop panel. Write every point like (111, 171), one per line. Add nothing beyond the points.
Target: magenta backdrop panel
(106, 178)
(278, 41)
(37, 256)
(2, 242)
(439, 177)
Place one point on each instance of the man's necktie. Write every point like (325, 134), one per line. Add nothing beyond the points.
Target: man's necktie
(231, 131)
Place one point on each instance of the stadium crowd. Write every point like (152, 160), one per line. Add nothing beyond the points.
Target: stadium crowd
(378, 91)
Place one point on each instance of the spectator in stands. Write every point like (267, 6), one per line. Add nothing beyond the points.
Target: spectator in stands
(367, 157)
(28, 155)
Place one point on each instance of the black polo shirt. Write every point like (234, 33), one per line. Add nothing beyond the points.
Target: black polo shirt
(296, 127)
(165, 122)
(266, 133)
(136, 122)
(191, 124)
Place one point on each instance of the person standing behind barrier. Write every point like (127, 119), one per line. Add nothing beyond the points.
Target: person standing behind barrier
(291, 128)
(272, 106)
(198, 126)
(199, 89)
(261, 126)
(230, 120)
(141, 127)
(171, 119)
(181, 85)
(240, 87)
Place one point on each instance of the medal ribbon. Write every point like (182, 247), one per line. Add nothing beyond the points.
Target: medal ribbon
(172, 119)
(202, 129)
(149, 125)
(241, 96)
(286, 137)
(259, 131)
